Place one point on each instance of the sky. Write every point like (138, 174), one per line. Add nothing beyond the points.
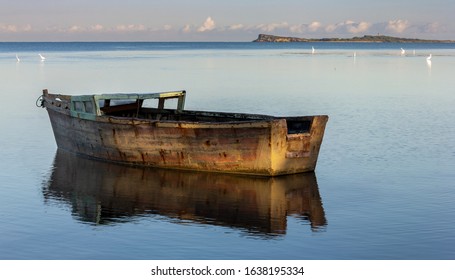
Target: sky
(233, 20)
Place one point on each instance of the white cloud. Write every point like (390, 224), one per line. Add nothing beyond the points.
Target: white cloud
(12, 28)
(348, 26)
(208, 25)
(76, 28)
(432, 27)
(297, 28)
(236, 27)
(330, 28)
(27, 28)
(97, 27)
(337, 27)
(237, 30)
(130, 27)
(8, 28)
(397, 26)
(314, 26)
(358, 27)
(186, 29)
(272, 26)
(301, 28)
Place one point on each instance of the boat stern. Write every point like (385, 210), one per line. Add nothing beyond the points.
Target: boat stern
(296, 142)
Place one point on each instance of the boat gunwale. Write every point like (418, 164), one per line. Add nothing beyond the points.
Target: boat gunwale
(241, 118)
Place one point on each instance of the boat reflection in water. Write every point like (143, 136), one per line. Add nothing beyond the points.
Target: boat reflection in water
(103, 193)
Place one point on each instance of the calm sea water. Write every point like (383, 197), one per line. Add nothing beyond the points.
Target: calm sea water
(384, 186)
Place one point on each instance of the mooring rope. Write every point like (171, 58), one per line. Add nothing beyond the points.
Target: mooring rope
(40, 102)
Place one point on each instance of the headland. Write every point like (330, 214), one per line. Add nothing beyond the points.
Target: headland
(363, 39)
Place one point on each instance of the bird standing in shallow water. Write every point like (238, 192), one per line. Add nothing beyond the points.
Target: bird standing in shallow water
(429, 61)
(42, 57)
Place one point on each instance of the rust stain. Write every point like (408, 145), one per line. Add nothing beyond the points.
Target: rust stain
(162, 154)
(101, 136)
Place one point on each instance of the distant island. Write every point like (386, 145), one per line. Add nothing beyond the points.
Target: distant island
(364, 39)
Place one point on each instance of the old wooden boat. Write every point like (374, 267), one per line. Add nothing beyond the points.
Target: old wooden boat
(138, 129)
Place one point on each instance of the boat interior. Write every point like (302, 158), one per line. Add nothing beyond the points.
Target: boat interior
(152, 107)
(138, 109)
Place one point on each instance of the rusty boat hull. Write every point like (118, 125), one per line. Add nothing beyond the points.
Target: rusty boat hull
(121, 128)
